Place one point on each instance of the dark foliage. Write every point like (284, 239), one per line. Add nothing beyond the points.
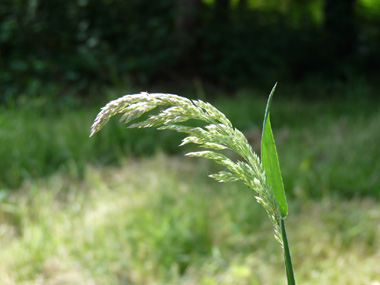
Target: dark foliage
(79, 43)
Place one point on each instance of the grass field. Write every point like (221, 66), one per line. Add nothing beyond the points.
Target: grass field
(159, 221)
(75, 210)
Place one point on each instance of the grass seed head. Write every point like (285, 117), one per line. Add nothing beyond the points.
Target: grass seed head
(217, 134)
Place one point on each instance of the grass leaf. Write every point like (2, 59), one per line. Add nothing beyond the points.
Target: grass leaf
(270, 161)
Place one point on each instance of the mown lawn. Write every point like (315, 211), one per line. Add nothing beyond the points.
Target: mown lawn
(125, 207)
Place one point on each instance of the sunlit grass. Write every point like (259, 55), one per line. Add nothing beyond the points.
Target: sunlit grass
(159, 221)
(313, 138)
(39, 137)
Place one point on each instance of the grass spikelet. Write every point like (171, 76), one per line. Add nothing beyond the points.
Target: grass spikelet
(217, 134)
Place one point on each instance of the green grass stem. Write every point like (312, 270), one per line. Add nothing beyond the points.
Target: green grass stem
(287, 257)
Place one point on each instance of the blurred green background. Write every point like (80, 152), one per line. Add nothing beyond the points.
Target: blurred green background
(125, 207)
(231, 43)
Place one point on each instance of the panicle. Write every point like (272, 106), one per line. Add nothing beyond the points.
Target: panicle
(217, 134)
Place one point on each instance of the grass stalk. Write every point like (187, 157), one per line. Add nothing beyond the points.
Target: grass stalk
(287, 257)
(217, 134)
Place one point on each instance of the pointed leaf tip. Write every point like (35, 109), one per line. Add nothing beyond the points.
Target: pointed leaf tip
(270, 161)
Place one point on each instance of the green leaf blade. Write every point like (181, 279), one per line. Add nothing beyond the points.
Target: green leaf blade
(270, 161)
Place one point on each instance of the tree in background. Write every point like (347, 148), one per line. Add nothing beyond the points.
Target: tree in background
(340, 28)
(222, 8)
(230, 43)
(187, 26)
